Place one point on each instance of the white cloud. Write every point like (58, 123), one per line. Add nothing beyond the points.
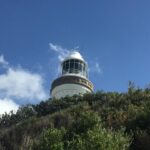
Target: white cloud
(7, 105)
(18, 84)
(95, 68)
(3, 62)
(62, 53)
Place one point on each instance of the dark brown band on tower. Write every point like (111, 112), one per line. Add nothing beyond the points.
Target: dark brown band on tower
(72, 80)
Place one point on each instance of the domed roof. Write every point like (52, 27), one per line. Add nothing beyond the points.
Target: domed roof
(74, 55)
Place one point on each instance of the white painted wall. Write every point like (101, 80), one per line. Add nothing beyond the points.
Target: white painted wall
(68, 89)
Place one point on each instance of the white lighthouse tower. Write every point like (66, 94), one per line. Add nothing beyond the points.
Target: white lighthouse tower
(73, 79)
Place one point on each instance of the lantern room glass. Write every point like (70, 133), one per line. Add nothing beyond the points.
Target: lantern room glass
(74, 66)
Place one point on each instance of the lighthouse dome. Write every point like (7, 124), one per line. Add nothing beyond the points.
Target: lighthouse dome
(74, 55)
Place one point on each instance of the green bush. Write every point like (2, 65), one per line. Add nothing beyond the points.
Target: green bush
(52, 140)
(86, 133)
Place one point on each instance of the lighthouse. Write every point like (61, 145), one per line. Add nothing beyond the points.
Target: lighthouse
(73, 79)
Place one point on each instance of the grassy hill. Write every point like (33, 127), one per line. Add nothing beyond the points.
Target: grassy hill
(102, 120)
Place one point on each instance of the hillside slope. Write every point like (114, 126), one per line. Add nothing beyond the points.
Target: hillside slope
(106, 121)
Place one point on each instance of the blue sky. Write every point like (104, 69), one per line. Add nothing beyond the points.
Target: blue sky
(113, 36)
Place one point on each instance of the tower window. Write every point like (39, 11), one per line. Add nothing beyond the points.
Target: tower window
(74, 66)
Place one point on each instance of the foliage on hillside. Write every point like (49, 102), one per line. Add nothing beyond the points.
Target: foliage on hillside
(102, 120)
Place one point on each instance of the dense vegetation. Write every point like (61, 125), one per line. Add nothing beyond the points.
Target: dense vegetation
(102, 120)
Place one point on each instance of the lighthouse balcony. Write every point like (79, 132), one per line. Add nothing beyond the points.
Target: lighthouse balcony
(70, 85)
